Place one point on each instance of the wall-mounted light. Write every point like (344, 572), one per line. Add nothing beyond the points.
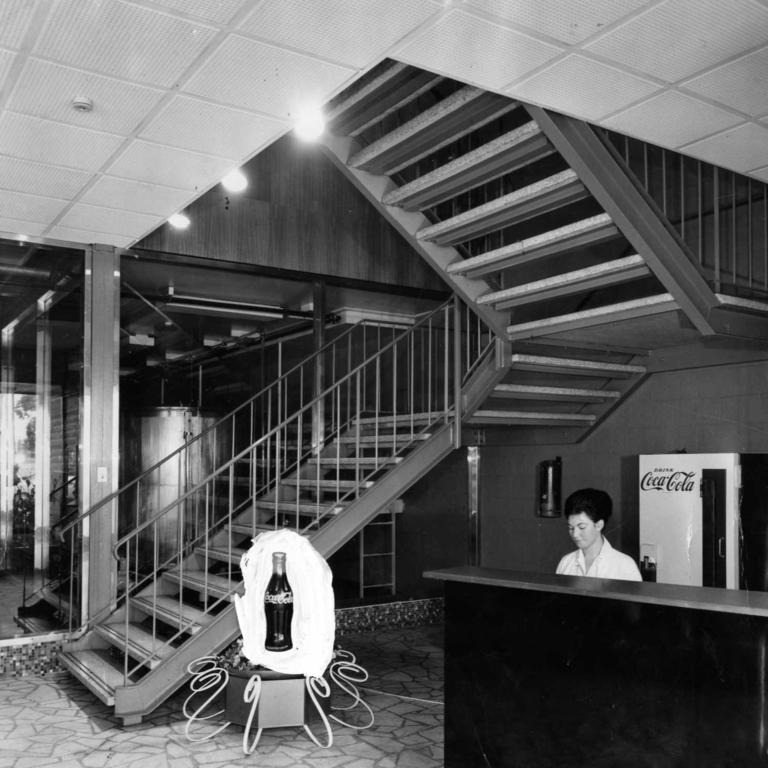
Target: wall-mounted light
(179, 221)
(549, 480)
(234, 181)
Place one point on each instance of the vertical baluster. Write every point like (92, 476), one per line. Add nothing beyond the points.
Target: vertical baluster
(699, 207)
(716, 222)
(734, 252)
(749, 233)
(664, 182)
(682, 197)
(765, 237)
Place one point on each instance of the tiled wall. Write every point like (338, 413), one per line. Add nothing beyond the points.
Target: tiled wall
(39, 657)
(31, 657)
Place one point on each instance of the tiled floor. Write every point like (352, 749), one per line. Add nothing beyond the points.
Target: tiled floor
(54, 721)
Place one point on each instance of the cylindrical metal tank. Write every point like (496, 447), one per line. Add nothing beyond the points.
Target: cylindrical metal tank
(147, 438)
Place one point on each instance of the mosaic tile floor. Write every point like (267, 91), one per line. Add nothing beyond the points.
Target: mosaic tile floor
(54, 721)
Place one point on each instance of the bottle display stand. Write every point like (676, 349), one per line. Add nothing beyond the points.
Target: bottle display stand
(284, 700)
(259, 698)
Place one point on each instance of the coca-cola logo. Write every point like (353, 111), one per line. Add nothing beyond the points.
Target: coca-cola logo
(281, 599)
(667, 480)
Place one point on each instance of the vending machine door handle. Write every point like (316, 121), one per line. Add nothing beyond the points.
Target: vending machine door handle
(721, 546)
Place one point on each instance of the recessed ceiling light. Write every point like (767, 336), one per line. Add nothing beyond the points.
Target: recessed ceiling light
(179, 221)
(234, 181)
(310, 125)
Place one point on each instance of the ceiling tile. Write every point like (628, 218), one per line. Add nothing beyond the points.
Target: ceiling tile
(216, 11)
(742, 148)
(17, 205)
(571, 22)
(85, 236)
(48, 142)
(155, 164)
(671, 119)
(46, 90)
(137, 196)
(15, 16)
(369, 26)
(111, 220)
(678, 38)
(124, 40)
(264, 78)
(6, 59)
(40, 179)
(476, 51)
(212, 128)
(741, 84)
(21, 227)
(579, 86)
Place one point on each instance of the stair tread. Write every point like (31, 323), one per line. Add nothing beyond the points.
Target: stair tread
(537, 198)
(499, 156)
(579, 280)
(212, 583)
(304, 507)
(94, 671)
(610, 313)
(384, 437)
(352, 462)
(422, 417)
(575, 366)
(525, 391)
(398, 85)
(591, 230)
(530, 417)
(310, 483)
(228, 554)
(170, 610)
(454, 116)
(138, 643)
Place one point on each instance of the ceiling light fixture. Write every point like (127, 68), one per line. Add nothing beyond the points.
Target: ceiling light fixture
(310, 125)
(235, 181)
(179, 221)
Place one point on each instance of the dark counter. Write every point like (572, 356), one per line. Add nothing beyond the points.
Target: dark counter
(554, 671)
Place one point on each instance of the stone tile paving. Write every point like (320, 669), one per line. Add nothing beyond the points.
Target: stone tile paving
(54, 721)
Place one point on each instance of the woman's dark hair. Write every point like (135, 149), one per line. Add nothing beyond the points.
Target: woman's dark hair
(594, 503)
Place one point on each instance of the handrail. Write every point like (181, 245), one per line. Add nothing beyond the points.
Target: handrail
(305, 362)
(275, 430)
(375, 408)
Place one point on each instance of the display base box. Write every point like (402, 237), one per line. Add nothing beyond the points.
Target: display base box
(283, 702)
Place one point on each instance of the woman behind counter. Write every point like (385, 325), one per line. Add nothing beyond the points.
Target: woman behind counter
(587, 510)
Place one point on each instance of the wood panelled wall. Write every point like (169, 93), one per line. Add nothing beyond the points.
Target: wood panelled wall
(700, 410)
(298, 213)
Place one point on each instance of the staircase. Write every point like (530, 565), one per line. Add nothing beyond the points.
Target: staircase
(539, 226)
(324, 465)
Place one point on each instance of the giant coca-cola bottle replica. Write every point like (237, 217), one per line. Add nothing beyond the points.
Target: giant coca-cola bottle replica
(278, 607)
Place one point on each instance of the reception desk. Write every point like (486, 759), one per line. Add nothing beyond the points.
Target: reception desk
(545, 671)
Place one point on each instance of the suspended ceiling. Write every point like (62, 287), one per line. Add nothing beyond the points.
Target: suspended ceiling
(184, 91)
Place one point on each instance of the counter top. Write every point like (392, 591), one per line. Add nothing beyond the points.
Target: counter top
(699, 598)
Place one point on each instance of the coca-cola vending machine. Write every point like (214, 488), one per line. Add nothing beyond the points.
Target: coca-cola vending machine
(704, 519)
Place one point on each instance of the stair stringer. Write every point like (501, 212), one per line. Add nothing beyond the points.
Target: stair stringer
(634, 213)
(359, 513)
(373, 187)
(135, 700)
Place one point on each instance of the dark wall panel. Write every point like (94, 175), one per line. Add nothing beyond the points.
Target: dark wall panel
(298, 213)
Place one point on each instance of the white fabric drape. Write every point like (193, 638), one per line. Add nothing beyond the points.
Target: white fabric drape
(314, 623)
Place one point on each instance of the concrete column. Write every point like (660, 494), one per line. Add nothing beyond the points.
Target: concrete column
(99, 462)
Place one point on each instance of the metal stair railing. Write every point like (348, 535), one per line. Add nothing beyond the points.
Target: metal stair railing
(137, 498)
(376, 412)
